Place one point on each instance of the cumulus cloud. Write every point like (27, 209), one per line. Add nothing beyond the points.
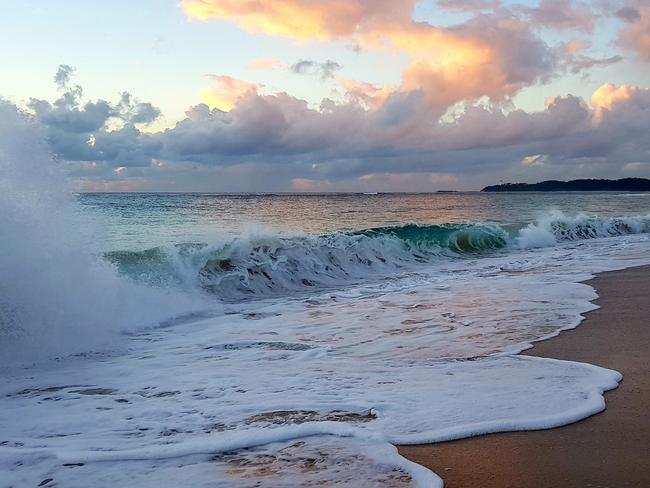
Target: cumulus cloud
(79, 131)
(226, 91)
(608, 95)
(398, 139)
(609, 101)
(136, 112)
(378, 139)
(325, 70)
(366, 94)
(491, 56)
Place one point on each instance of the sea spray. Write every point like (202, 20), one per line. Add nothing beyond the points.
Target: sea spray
(557, 227)
(56, 296)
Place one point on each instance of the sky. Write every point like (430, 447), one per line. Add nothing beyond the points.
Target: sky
(332, 95)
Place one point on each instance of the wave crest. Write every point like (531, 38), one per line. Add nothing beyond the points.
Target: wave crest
(276, 264)
(557, 228)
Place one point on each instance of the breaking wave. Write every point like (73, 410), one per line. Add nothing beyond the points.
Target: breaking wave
(57, 296)
(263, 265)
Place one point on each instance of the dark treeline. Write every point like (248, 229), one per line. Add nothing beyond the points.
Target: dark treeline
(626, 184)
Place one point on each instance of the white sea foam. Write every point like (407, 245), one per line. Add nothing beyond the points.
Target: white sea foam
(557, 227)
(402, 361)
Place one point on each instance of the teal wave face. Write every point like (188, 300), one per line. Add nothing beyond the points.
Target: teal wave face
(464, 238)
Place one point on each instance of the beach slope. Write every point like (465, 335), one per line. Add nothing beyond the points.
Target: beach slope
(611, 449)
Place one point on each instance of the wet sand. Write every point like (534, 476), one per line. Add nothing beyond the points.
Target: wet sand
(608, 450)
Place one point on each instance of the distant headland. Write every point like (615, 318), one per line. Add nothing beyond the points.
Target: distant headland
(625, 184)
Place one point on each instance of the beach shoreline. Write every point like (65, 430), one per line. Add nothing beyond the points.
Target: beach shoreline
(606, 450)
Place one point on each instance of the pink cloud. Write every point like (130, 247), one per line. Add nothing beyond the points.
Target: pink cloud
(635, 35)
(489, 56)
(226, 92)
(265, 64)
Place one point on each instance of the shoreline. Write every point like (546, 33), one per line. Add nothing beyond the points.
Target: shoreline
(609, 449)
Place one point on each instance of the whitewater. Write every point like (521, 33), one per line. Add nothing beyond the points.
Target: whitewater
(279, 357)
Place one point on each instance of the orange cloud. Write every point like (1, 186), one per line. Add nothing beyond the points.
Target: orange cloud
(449, 68)
(226, 92)
(609, 95)
(492, 55)
(300, 19)
(480, 58)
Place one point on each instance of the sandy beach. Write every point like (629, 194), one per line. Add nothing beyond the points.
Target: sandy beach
(611, 449)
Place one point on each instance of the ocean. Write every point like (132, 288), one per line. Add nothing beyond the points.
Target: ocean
(280, 340)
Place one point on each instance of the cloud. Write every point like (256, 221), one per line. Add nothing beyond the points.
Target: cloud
(491, 55)
(609, 95)
(265, 64)
(610, 100)
(632, 167)
(302, 19)
(276, 142)
(635, 35)
(95, 131)
(629, 14)
(136, 112)
(226, 92)
(71, 116)
(325, 70)
(562, 15)
(575, 61)
(535, 160)
(63, 75)
(366, 94)
(469, 5)
(307, 144)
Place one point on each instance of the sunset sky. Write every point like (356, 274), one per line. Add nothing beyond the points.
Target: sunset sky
(332, 95)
